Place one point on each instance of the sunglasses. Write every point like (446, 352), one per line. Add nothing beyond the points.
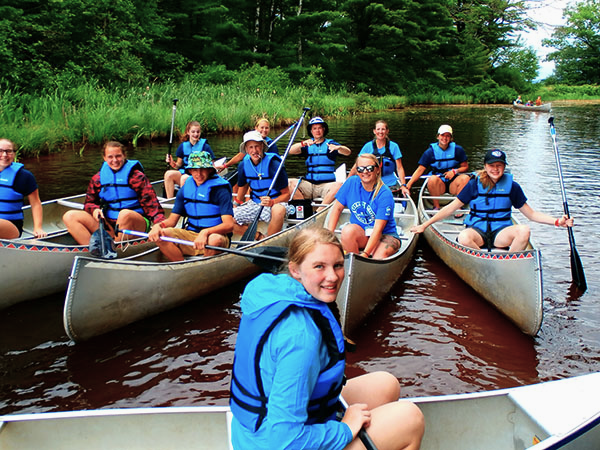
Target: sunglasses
(361, 169)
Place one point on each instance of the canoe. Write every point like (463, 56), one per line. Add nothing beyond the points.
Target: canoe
(104, 295)
(541, 108)
(368, 280)
(511, 281)
(553, 415)
(33, 268)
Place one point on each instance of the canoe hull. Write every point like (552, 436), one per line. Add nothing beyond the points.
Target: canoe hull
(546, 107)
(106, 295)
(557, 414)
(367, 280)
(511, 281)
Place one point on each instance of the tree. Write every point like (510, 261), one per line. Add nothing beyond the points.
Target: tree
(578, 42)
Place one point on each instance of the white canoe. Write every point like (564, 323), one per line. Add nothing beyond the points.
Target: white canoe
(541, 108)
(368, 280)
(104, 295)
(511, 281)
(563, 414)
(33, 268)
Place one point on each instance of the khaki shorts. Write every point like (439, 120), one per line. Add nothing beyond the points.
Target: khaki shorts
(311, 191)
(187, 235)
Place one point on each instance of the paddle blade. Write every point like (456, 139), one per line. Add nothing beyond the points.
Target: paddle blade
(576, 266)
(102, 244)
(250, 233)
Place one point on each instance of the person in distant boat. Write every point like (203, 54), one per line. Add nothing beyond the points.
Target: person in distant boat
(447, 164)
(519, 101)
(16, 183)
(321, 154)
(123, 190)
(289, 362)
(205, 199)
(191, 142)
(492, 194)
(263, 127)
(529, 103)
(392, 170)
(372, 230)
(538, 101)
(256, 172)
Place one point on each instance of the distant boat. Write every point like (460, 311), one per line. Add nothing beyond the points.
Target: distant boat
(541, 108)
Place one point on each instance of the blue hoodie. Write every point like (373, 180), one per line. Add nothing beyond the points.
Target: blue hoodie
(293, 357)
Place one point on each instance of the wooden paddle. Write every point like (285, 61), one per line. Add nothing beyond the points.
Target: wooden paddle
(576, 266)
(250, 233)
(266, 257)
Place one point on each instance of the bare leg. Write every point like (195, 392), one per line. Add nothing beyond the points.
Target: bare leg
(470, 238)
(170, 250)
(386, 247)
(436, 188)
(8, 230)
(277, 217)
(292, 183)
(330, 196)
(458, 184)
(516, 237)
(81, 225)
(171, 177)
(353, 238)
(216, 240)
(130, 220)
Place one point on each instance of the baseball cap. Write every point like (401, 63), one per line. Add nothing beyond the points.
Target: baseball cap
(445, 129)
(495, 155)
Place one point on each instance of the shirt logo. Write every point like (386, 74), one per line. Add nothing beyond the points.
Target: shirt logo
(363, 212)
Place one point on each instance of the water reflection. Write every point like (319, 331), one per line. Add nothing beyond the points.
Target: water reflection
(434, 333)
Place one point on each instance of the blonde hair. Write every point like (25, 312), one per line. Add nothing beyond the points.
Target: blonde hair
(307, 239)
(261, 120)
(379, 182)
(188, 127)
(485, 180)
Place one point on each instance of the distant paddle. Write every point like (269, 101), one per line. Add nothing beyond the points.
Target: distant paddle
(172, 124)
(102, 244)
(250, 233)
(576, 266)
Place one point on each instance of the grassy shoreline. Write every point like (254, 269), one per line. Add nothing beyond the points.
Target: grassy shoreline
(86, 115)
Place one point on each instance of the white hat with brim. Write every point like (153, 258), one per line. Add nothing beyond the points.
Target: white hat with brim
(445, 129)
(252, 136)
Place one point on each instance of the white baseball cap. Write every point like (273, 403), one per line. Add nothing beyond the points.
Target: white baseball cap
(445, 129)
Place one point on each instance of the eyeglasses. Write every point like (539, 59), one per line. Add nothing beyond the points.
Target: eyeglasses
(7, 152)
(361, 169)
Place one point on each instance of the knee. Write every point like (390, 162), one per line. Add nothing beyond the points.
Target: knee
(278, 210)
(523, 231)
(351, 231)
(388, 385)
(71, 217)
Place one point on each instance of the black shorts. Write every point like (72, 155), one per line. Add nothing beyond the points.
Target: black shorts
(489, 237)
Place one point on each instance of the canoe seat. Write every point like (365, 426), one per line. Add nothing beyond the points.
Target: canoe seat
(69, 204)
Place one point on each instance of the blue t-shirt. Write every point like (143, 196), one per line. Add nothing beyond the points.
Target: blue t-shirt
(364, 208)
(469, 192)
(282, 178)
(271, 148)
(205, 148)
(390, 179)
(218, 196)
(428, 157)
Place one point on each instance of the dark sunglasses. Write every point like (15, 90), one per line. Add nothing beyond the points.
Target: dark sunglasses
(361, 169)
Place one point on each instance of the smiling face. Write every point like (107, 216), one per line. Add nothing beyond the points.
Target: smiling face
(366, 177)
(114, 157)
(495, 170)
(255, 150)
(381, 131)
(200, 175)
(321, 272)
(194, 134)
(263, 128)
(444, 140)
(7, 153)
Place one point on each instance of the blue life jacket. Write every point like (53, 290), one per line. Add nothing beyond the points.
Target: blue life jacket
(320, 164)
(200, 212)
(188, 149)
(258, 176)
(491, 210)
(11, 202)
(248, 400)
(115, 189)
(388, 162)
(444, 159)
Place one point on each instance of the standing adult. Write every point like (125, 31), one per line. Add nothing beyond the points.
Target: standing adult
(16, 183)
(447, 164)
(263, 127)
(392, 170)
(256, 172)
(321, 154)
(205, 199)
(123, 190)
(190, 142)
(372, 229)
(288, 369)
(492, 194)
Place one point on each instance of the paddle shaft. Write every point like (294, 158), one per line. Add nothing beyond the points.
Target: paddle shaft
(212, 247)
(251, 231)
(172, 124)
(576, 266)
(362, 434)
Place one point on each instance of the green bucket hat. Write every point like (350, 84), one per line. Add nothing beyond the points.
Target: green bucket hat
(199, 160)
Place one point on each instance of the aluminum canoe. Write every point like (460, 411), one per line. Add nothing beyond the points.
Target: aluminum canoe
(104, 295)
(562, 414)
(33, 268)
(546, 107)
(511, 281)
(367, 280)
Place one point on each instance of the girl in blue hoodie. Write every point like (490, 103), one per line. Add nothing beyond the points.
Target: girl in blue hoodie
(288, 371)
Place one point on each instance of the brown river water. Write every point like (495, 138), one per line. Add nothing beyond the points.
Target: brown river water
(433, 332)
